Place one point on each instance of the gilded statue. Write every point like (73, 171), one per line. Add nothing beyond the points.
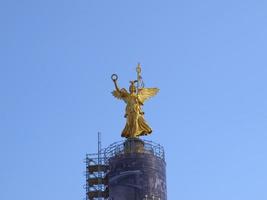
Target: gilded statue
(134, 98)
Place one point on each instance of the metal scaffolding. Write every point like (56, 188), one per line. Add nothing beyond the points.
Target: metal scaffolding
(96, 171)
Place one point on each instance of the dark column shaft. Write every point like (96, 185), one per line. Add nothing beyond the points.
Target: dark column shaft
(137, 172)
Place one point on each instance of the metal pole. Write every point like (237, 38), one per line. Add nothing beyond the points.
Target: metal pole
(99, 162)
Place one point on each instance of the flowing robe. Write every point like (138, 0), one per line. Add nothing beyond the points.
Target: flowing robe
(135, 124)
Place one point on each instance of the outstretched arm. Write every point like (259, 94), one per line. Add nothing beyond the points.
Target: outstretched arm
(118, 93)
(116, 85)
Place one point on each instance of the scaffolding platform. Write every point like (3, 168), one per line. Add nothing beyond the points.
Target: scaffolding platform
(96, 179)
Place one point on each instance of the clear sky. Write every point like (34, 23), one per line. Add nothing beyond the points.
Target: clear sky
(207, 57)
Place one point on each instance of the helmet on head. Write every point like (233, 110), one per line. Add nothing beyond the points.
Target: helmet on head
(132, 87)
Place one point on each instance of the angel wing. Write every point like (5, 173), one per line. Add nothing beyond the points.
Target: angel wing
(146, 93)
(122, 94)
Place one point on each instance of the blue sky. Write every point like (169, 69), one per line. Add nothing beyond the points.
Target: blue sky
(207, 57)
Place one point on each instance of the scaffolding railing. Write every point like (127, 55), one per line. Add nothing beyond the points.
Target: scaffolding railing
(118, 148)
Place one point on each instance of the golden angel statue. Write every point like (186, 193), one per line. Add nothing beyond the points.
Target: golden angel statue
(135, 125)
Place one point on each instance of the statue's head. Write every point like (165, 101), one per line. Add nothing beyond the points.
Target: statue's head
(132, 87)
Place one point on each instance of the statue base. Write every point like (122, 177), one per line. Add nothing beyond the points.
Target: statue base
(134, 145)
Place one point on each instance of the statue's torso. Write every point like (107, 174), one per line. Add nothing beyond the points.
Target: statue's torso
(132, 104)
